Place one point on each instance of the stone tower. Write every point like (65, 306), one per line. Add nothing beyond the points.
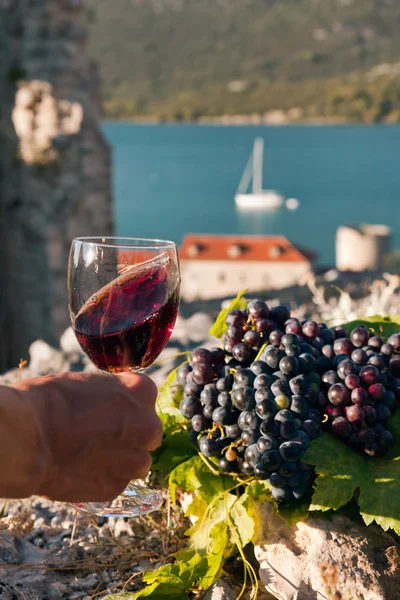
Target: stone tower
(55, 173)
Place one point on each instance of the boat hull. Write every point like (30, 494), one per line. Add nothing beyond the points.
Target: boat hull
(262, 200)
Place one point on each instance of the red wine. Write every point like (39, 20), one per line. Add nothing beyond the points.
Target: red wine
(127, 323)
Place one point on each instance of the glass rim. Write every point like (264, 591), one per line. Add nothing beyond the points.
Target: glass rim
(151, 242)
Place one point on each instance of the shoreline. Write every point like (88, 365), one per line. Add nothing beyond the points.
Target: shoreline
(243, 122)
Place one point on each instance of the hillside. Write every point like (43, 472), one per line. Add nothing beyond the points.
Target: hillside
(208, 57)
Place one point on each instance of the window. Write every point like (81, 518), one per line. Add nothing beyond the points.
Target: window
(221, 277)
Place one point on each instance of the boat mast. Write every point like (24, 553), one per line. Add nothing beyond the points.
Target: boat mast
(258, 165)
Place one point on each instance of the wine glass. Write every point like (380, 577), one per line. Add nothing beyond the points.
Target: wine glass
(123, 304)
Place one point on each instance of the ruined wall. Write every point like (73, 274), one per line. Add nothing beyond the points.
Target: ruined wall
(55, 174)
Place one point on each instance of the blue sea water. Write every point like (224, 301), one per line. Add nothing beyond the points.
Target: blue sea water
(173, 179)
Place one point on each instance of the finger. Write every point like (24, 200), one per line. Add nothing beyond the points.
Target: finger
(141, 386)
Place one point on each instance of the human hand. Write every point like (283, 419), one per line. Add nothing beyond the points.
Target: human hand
(94, 432)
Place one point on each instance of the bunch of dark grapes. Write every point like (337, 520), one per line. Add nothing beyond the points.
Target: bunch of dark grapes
(258, 417)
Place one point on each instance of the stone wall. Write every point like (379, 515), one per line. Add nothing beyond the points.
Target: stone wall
(55, 173)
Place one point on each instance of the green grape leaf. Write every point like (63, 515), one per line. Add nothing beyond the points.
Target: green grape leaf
(175, 449)
(243, 522)
(174, 581)
(383, 326)
(185, 476)
(167, 405)
(341, 472)
(219, 327)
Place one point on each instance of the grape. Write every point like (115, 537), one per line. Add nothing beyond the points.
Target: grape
(235, 317)
(272, 459)
(282, 402)
(369, 374)
(295, 480)
(377, 392)
(370, 413)
(224, 399)
(222, 416)
(312, 429)
(366, 436)
(343, 346)
(279, 375)
(217, 356)
(359, 336)
(260, 472)
(265, 409)
(233, 431)
(190, 406)
(341, 427)
(208, 410)
(359, 356)
(311, 329)
(290, 339)
(267, 442)
(243, 398)
(301, 439)
(306, 348)
(355, 415)
(346, 367)
(352, 381)
(200, 423)
(201, 355)
(269, 428)
(377, 361)
(288, 429)
(250, 437)
(300, 406)
(339, 332)
(263, 394)
(390, 401)
(327, 351)
(247, 468)
(280, 314)
(258, 367)
(293, 326)
(298, 384)
(359, 396)
(288, 469)
(292, 350)
(252, 455)
(327, 335)
(395, 365)
(253, 339)
(244, 377)
(289, 365)
(289, 451)
(264, 326)
(375, 450)
(224, 384)
(262, 381)
(281, 495)
(338, 359)
(209, 396)
(382, 413)
(234, 334)
(306, 362)
(208, 446)
(242, 423)
(330, 378)
(376, 342)
(202, 373)
(385, 439)
(387, 349)
(321, 401)
(273, 357)
(257, 309)
(225, 465)
(338, 394)
(182, 372)
(284, 415)
(277, 481)
(280, 387)
(243, 353)
(275, 337)
(394, 340)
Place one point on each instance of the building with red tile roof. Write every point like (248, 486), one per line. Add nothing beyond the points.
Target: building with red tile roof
(218, 265)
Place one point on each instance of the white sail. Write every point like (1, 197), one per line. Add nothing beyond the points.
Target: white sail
(258, 165)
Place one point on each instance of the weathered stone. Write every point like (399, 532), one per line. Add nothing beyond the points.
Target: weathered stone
(58, 590)
(44, 358)
(219, 591)
(69, 343)
(323, 557)
(50, 87)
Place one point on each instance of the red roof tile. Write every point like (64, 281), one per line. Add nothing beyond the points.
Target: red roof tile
(266, 248)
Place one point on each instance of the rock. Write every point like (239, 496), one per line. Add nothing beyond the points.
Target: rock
(44, 359)
(219, 591)
(9, 553)
(57, 590)
(8, 592)
(301, 562)
(69, 343)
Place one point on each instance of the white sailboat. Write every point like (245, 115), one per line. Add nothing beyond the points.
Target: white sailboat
(258, 198)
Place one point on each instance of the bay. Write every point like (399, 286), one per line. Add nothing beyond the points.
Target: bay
(174, 179)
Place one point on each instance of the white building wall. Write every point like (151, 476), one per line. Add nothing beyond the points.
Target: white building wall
(362, 249)
(212, 279)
